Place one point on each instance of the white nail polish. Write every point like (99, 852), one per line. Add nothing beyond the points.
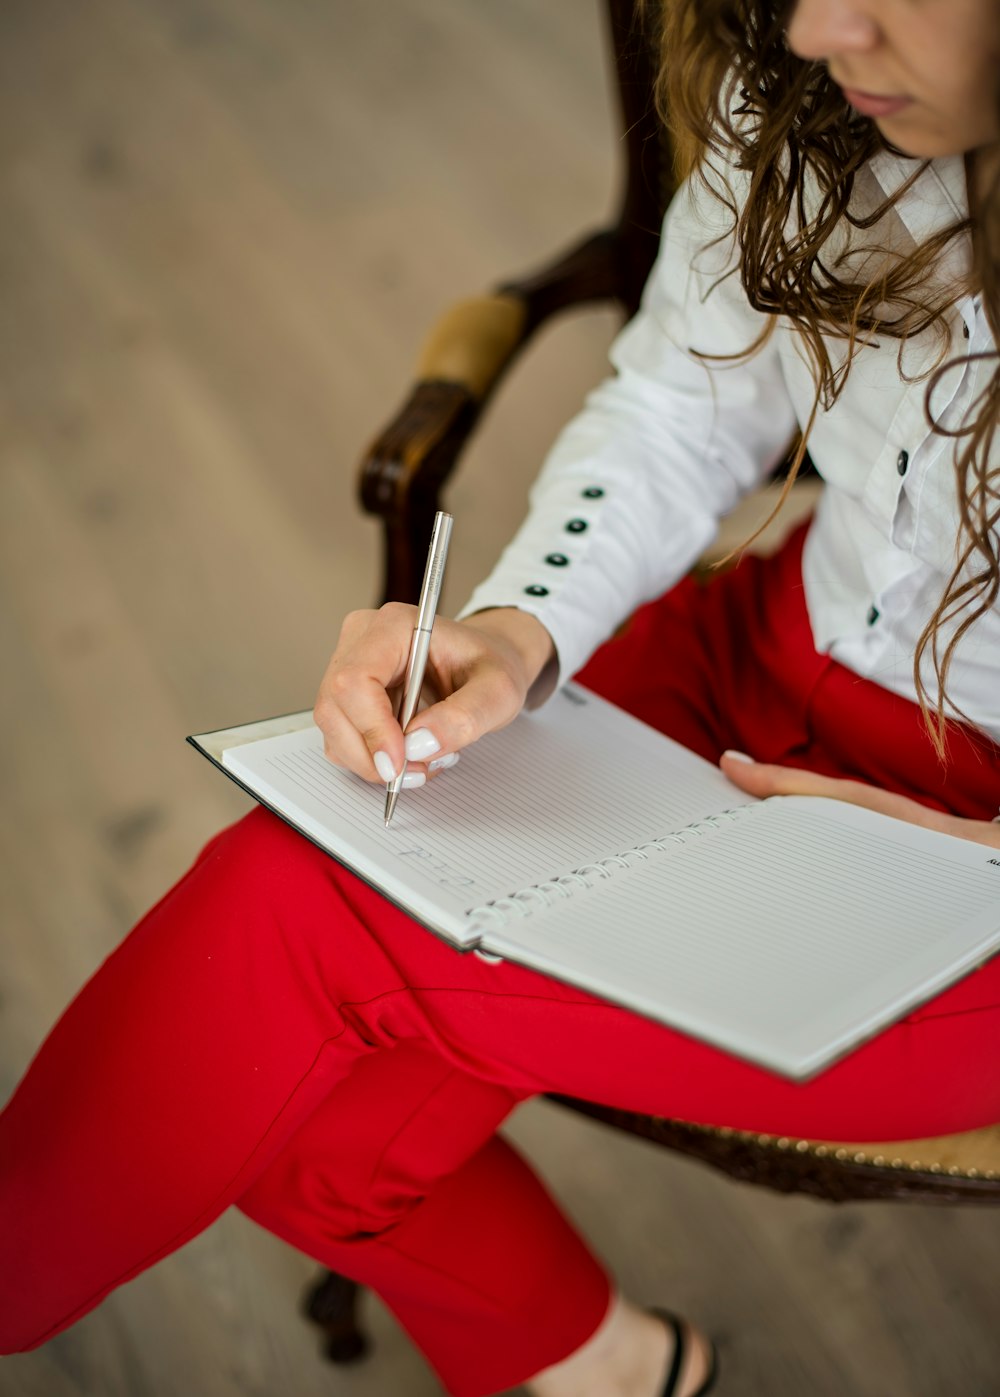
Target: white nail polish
(384, 766)
(420, 745)
(739, 757)
(413, 779)
(443, 763)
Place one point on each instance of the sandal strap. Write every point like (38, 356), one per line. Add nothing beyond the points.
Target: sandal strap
(680, 1349)
(680, 1353)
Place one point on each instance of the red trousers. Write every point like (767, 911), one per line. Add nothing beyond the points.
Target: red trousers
(274, 1035)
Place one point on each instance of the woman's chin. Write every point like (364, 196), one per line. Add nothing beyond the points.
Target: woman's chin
(923, 142)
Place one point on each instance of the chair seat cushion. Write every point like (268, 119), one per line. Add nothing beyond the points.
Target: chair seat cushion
(974, 1153)
(960, 1168)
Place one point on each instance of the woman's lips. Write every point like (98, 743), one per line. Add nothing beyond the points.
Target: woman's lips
(870, 104)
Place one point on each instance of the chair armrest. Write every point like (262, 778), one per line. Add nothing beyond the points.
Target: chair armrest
(403, 470)
(461, 363)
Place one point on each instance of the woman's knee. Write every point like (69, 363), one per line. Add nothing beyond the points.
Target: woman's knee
(270, 882)
(300, 1200)
(259, 843)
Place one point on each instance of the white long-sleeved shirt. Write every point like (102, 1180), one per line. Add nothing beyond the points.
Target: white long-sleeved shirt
(633, 490)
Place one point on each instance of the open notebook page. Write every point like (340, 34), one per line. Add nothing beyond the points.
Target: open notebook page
(790, 934)
(578, 781)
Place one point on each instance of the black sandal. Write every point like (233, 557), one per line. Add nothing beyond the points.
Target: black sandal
(680, 1353)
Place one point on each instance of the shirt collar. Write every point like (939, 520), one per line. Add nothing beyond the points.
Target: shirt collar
(937, 198)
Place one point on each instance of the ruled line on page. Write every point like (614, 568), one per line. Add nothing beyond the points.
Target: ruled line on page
(770, 924)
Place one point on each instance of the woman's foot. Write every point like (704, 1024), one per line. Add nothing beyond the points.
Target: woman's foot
(629, 1355)
(690, 1361)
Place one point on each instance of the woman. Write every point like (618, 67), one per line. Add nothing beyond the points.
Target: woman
(274, 1035)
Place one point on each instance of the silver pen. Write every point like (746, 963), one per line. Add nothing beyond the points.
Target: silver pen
(420, 645)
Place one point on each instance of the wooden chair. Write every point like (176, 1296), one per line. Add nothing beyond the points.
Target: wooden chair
(463, 361)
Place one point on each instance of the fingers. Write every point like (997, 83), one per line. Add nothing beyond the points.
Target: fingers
(762, 779)
(359, 728)
(353, 709)
(488, 698)
(476, 674)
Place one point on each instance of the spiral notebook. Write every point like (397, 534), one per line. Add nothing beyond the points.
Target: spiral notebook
(582, 843)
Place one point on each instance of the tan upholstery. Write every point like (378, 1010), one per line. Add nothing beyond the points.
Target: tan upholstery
(472, 341)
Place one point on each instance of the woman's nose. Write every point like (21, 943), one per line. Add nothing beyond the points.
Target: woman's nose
(824, 29)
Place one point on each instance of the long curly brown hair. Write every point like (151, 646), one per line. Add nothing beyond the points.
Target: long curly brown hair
(730, 86)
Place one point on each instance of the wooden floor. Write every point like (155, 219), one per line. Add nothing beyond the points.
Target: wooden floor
(224, 226)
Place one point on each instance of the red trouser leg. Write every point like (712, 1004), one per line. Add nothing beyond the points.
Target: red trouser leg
(398, 1134)
(254, 1007)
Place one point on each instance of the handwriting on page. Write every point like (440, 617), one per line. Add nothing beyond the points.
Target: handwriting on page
(347, 799)
(436, 868)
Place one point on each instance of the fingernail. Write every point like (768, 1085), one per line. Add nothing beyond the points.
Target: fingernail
(739, 757)
(384, 766)
(443, 763)
(420, 745)
(412, 779)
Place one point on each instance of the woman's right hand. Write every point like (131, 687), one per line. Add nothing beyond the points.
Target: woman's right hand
(479, 669)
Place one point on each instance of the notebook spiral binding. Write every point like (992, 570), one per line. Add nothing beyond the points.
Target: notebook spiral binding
(496, 913)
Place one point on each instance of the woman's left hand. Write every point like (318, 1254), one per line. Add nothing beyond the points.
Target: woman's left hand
(760, 779)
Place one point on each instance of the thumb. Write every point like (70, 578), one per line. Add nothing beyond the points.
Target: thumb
(487, 701)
